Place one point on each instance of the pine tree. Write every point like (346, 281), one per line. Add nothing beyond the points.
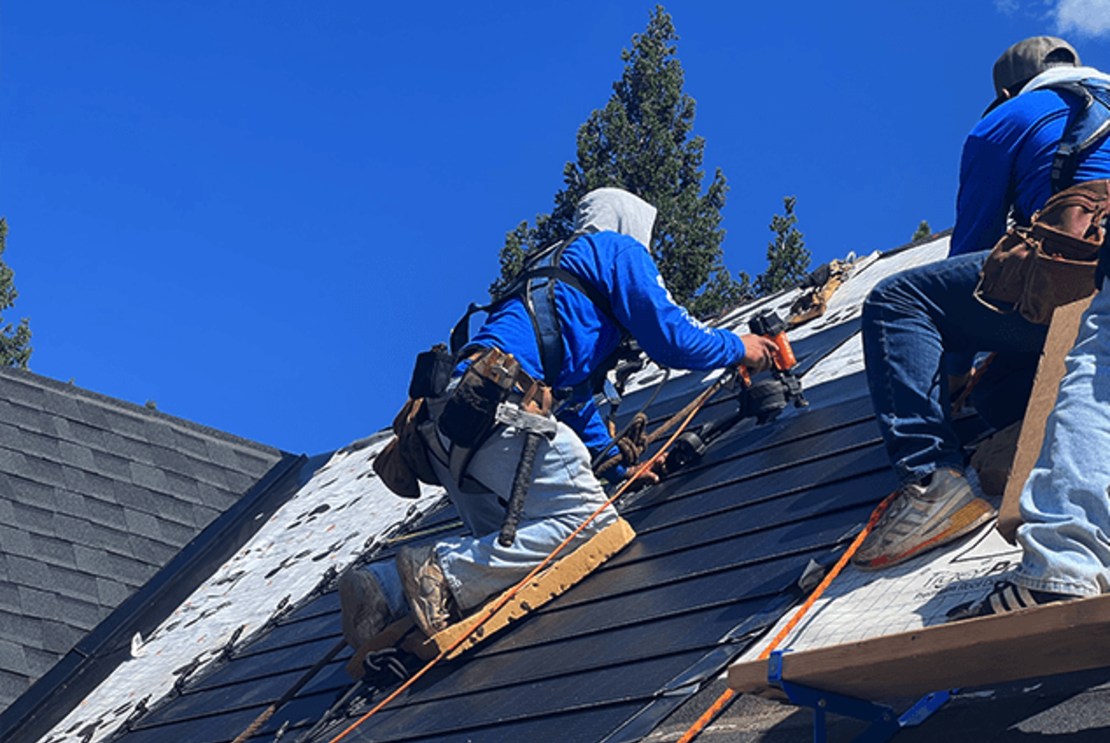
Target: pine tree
(15, 348)
(641, 141)
(924, 232)
(787, 257)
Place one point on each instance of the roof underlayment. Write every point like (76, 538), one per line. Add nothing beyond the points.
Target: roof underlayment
(626, 655)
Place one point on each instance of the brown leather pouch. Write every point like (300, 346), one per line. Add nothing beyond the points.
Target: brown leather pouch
(404, 460)
(1052, 262)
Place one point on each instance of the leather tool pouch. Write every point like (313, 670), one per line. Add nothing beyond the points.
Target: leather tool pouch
(468, 416)
(1052, 262)
(432, 372)
(404, 460)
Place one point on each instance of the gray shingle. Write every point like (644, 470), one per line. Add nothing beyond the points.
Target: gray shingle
(142, 524)
(74, 583)
(13, 658)
(106, 514)
(45, 471)
(32, 493)
(170, 461)
(154, 553)
(60, 638)
(92, 560)
(12, 686)
(21, 629)
(10, 598)
(83, 615)
(54, 551)
(217, 498)
(34, 519)
(111, 465)
(128, 425)
(111, 592)
(12, 462)
(39, 603)
(22, 393)
(159, 433)
(77, 456)
(176, 534)
(15, 541)
(92, 414)
(189, 443)
(39, 661)
(10, 436)
(69, 502)
(130, 572)
(25, 418)
(204, 516)
(61, 406)
(77, 531)
(27, 572)
(148, 477)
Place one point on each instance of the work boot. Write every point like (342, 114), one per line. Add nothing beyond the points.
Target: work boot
(923, 515)
(433, 606)
(364, 608)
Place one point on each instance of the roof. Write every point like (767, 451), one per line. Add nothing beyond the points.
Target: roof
(96, 496)
(630, 653)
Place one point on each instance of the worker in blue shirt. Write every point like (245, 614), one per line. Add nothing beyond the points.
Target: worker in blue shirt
(609, 259)
(912, 321)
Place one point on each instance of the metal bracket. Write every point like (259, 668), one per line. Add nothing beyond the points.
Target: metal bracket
(884, 722)
(511, 415)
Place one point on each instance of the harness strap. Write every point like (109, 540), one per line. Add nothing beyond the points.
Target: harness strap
(1085, 130)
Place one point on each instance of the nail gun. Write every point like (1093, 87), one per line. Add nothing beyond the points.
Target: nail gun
(762, 400)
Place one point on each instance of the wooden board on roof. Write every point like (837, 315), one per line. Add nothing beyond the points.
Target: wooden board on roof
(1040, 641)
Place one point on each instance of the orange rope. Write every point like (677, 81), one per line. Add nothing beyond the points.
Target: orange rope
(492, 608)
(726, 698)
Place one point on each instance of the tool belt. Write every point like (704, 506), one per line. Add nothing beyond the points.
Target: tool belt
(468, 416)
(1051, 262)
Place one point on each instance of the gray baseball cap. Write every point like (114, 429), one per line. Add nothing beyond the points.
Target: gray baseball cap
(1027, 59)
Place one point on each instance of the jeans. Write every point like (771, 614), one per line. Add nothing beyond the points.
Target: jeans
(1065, 503)
(564, 492)
(909, 321)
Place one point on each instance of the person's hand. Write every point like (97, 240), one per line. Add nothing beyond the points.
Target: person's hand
(758, 352)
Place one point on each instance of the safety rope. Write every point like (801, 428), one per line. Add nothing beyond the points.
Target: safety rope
(496, 605)
(633, 443)
(727, 697)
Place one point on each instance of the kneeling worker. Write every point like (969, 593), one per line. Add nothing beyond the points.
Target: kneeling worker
(605, 286)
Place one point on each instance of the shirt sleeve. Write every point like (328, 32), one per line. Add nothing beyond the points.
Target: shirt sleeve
(983, 202)
(664, 330)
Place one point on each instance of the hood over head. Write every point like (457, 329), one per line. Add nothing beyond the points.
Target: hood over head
(615, 210)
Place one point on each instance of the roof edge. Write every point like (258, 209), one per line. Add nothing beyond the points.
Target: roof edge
(93, 659)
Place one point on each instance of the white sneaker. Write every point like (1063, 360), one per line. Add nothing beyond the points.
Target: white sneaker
(923, 517)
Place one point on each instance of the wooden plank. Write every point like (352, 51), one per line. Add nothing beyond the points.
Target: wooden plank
(1041, 641)
(541, 589)
(1061, 337)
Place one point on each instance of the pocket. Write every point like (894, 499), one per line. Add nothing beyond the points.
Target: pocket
(1054, 281)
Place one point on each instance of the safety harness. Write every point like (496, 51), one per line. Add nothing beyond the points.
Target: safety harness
(1087, 129)
(535, 287)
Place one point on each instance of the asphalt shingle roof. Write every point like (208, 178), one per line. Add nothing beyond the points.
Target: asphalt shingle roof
(96, 496)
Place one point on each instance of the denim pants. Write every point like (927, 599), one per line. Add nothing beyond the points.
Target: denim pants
(1064, 504)
(564, 493)
(910, 320)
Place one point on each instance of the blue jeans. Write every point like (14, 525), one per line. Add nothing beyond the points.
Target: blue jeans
(910, 320)
(563, 494)
(1065, 504)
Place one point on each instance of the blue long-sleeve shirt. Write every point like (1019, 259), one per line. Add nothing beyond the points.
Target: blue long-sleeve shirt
(1007, 160)
(623, 271)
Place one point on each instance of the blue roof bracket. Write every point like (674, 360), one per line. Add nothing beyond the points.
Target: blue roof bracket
(884, 723)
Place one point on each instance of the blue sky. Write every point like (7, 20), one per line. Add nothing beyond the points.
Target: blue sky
(256, 212)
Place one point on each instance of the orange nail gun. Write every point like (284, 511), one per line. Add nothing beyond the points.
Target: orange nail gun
(766, 399)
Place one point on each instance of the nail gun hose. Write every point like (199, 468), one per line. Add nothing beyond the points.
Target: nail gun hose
(521, 481)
